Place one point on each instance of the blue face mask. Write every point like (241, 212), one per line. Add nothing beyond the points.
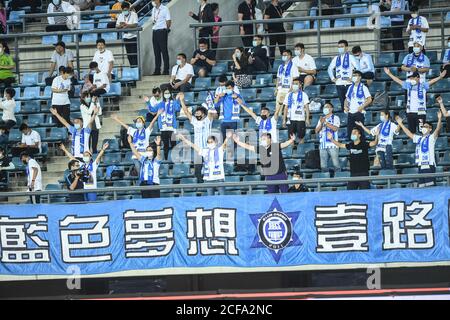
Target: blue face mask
(77, 126)
(354, 137)
(229, 91)
(341, 50)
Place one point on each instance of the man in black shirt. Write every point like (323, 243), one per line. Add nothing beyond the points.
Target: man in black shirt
(74, 181)
(5, 164)
(275, 11)
(246, 12)
(300, 187)
(271, 159)
(359, 158)
(258, 60)
(203, 59)
(205, 15)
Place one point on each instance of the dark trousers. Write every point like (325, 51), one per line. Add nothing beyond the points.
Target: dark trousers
(98, 92)
(149, 193)
(214, 46)
(247, 40)
(342, 92)
(93, 140)
(386, 160)
(6, 125)
(275, 40)
(397, 33)
(283, 188)
(16, 151)
(35, 199)
(427, 182)
(358, 185)
(64, 111)
(160, 38)
(56, 27)
(131, 46)
(415, 121)
(198, 165)
(183, 88)
(225, 126)
(352, 118)
(18, 4)
(168, 142)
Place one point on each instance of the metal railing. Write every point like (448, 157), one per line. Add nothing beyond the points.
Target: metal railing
(244, 185)
(319, 30)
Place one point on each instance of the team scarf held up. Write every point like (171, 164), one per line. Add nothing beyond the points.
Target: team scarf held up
(235, 108)
(359, 92)
(266, 125)
(328, 129)
(209, 101)
(418, 23)
(424, 145)
(81, 141)
(285, 69)
(420, 93)
(299, 99)
(216, 162)
(412, 58)
(168, 115)
(150, 170)
(345, 63)
(139, 135)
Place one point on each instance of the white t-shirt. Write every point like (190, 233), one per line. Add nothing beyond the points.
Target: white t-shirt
(103, 60)
(386, 131)
(132, 18)
(32, 139)
(156, 165)
(424, 150)
(142, 141)
(92, 183)
(8, 107)
(180, 73)
(417, 35)
(213, 171)
(159, 17)
(285, 79)
(60, 99)
(414, 103)
(307, 63)
(354, 102)
(343, 75)
(100, 79)
(76, 137)
(323, 134)
(38, 181)
(263, 127)
(202, 130)
(296, 111)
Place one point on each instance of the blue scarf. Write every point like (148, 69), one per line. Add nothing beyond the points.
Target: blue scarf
(210, 101)
(345, 63)
(420, 94)
(216, 162)
(328, 129)
(150, 172)
(299, 98)
(81, 141)
(423, 144)
(447, 53)
(266, 125)
(359, 91)
(385, 128)
(286, 72)
(412, 58)
(418, 23)
(138, 136)
(168, 115)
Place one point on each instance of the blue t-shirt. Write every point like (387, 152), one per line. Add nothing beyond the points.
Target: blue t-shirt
(230, 107)
(167, 121)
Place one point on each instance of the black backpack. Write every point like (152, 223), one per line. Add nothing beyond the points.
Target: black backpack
(312, 159)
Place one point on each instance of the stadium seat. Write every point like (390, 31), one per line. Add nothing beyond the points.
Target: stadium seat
(34, 120)
(406, 159)
(322, 77)
(15, 135)
(267, 94)
(201, 97)
(287, 152)
(202, 83)
(89, 37)
(18, 164)
(447, 17)
(263, 80)
(115, 90)
(219, 69)
(47, 93)
(14, 18)
(255, 107)
(322, 63)
(329, 92)
(401, 56)
(130, 74)
(113, 145)
(112, 159)
(440, 86)
(361, 22)
(301, 25)
(49, 40)
(341, 23)
(276, 65)
(53, 187)
(385, 60)
(312, 91)
(189, 97)
(433, 56)
(29, 79)
(43, 133)
(180, 170)
(323, 25)
(413, 170)
(57, 134)
(87, 24)
(395, 89)
(101, 8)
(384, 172)
(110, 36)
(30, 93)
(68, 38)
(358, 9)
(32, 106)
(303, 148)
(189, 181)
(385, 22)
(377, 87)
(249, 94)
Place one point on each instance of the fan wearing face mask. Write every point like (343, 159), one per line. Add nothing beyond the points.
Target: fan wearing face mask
(385, 132)
(90, 177)
(80, 134)
(140, 135)
(128, 19)
(213, 156)
(296, 110)
(416, 91)
(61, 86)
(202, 121)
(265, 123)
(241, 70)
(286, 74)
(417, 28)
(61, 23)
(305, 64)
(341, 70)
(30, 143)
(88, 104)
(34, 175)
(416, 61)
(446, 59)
(152, 102)
(328, 123)
(105, 60)
(359, 157)
(5, 164)
(358, 98)
(149, 168)
(425, 152)
(203, 59)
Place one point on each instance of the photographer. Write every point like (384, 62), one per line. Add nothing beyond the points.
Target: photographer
(75, 180)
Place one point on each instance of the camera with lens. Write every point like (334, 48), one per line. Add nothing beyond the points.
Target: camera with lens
(83, 173)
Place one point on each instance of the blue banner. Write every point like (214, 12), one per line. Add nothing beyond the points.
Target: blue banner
(326, 230)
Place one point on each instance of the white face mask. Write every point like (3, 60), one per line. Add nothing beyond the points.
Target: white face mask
(298, 53)
(326, 111)
(238, 55)
(211, 146)
(255, 43)
(179, 62)
(382, 118)
(167, 95)
(139, 125)
(341, 50)
(229, 91)
(448, 44)
(295, 178)
(1, 50)
(424, 131)
(203, 50)
(86, 159)
(295, 87)
(147, 154)
(413, 82)
(354, 79)
(416, 50)
(414, 15)
(153, 3)
(284, 58)
(77, 126)
(263, 143)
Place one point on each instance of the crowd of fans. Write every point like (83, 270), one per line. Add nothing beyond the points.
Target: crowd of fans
(352, 71)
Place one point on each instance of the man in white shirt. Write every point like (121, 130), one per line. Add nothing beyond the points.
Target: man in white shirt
(357, 99)
(152, 102)
(30, 143)
(61, 86)
(127, 20)
(34, 176)
(343, 64)
(366, 65)
(417, 29)
(61, 57)
(8, 106)
(161, 26)
(265, 123)
(416, 91)
(181, 77)
(305, 64)
(100, 82)
(416, 61)
(286, 73)
(329, 123)
(296, 111)
(104, 59)
(425, 154)
(61, 23)
(202, 121)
